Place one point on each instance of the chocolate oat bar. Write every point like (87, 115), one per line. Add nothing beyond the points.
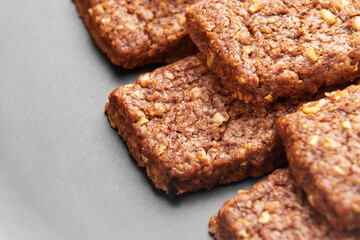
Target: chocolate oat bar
(274, 209)
(186, 129)
(136, 32)
(322, 141)
(266, 49)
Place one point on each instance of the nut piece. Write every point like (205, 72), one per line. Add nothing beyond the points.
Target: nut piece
(271, 20)
(242, 191)
(356, 207)
(314, 139)
(143, 120)
(339, 170)
(246, 50)
(328, 16)
(297, 205)
(314, 109)
(127, 86)
(342, 4)
(269, 98)
(255, 7)
(204, 156)
(144, 159)
(346, 125)
(356, 23)
(161, 149)
(99, 8)
(264, 218)
(106, 20)
(242, 234)
(240, 80)
(310, 53)
(145, 80)
(195, 93)
(311, 199)
(169, 75)
(210, 58)
(219, 118)
(195, 61)
(156, 109)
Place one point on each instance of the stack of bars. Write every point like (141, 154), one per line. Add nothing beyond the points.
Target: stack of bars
(270, 85)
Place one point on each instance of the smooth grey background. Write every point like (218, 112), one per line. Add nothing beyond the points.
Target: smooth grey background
(64, 172)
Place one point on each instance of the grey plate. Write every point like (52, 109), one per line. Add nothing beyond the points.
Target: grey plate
(64, 172)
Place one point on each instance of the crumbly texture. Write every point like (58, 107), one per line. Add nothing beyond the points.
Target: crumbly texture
(136, 32)
(274, 209)
(322, 141)
(266, 49)
(186, 129)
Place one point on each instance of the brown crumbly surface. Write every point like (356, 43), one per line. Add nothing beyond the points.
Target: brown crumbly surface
(266, 49)
(322, 141)
(274, 209)
(136, 32)
(186, 129)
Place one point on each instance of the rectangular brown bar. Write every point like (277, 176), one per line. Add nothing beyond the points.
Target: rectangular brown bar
(274, 209)
(322, 141)
(186, 129)
(266, 49)
(137, 32)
